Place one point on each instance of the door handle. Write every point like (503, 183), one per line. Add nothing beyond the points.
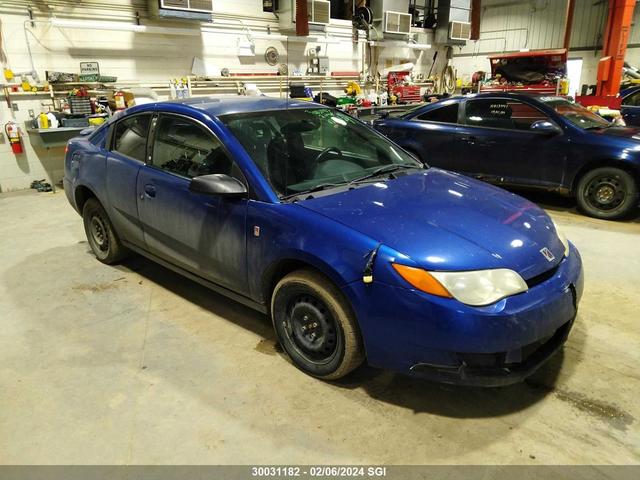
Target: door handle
(470, 140)
(150, 190)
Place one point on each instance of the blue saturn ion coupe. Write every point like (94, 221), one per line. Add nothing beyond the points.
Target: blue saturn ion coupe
(355, 249)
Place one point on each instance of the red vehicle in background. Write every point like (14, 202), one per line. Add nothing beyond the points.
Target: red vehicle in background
(540, 71)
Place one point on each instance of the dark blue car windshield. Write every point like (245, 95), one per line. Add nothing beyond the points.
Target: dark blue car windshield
(305, 148)
(576, 114)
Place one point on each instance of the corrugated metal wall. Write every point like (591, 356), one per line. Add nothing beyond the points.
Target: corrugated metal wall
(537, 24)
(634, 38)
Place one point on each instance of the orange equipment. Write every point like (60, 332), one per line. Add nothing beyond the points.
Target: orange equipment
(614, 46)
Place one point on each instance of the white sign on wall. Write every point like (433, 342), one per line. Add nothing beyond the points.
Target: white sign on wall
(89, 68)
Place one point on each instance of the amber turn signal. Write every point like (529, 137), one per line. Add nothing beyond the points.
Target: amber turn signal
(421, 280)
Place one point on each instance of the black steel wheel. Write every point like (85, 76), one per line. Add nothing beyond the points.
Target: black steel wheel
(101, 235)
(315, 325)
(310, 327)
(607, 193)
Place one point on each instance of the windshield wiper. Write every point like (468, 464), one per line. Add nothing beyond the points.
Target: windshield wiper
(383, 170)
(317, 188)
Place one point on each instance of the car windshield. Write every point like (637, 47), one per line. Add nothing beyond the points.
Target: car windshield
(576, 114)
(305, 149)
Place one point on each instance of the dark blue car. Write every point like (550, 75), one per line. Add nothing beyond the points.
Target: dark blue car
(527, 141)
(355, 249)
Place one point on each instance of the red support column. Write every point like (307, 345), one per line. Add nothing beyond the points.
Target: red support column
(614, 46)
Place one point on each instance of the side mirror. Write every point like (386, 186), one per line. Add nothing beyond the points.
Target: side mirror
(218, 184)
(545, 127)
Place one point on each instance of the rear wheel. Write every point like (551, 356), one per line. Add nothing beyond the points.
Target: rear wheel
(607, 192)
(315, 325)
(100, 233)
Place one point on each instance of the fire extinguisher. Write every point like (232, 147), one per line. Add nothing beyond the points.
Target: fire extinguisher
(13, 133)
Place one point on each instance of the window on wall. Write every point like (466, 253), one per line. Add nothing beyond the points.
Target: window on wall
(501, 113)
(342, 9)
(184, 148)
(130, 136)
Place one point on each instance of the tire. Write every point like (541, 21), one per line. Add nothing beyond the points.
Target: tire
(316, 326)
(100, 233)
(608, 193)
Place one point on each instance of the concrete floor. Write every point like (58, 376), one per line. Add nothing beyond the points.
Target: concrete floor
(134, 364)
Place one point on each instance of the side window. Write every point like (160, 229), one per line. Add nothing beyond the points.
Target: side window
(445, 114)
(632, 100)
(185, 148)
(502, 113)
(130, 136)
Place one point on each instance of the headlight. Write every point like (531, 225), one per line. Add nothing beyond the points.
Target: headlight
(475, 288)
(563, 239)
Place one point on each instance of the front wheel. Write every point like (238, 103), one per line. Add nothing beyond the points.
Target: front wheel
(607, 192)
(315, 325)
(100, 233)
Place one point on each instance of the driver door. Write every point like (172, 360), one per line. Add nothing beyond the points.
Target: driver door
(496, 144)
(200, 233)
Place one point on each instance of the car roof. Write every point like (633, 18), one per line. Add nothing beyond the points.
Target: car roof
(217, 106)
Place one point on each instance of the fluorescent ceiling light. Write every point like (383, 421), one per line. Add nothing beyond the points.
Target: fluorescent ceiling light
(124, 27)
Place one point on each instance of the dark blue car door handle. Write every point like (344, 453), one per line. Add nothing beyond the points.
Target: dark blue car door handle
(150, 190)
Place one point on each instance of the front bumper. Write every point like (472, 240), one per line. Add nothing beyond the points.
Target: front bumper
(442, 339)
(494, 370)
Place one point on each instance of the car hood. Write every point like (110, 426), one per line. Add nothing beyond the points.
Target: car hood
(445, 221)
(631, 133)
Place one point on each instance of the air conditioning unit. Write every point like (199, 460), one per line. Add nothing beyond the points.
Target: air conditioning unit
(391, 19)
(459, 31)
(397, 22)
(318, 13)
(200, 10)
(453, 22)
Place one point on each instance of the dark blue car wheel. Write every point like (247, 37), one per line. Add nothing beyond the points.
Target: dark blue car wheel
(101, 235)
(607, 193)
(315, 325)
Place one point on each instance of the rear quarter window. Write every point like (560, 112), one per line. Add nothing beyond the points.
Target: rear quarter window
(130, 136)
(444, 114)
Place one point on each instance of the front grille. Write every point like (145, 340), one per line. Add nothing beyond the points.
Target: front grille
(543, 277)
(500, 360)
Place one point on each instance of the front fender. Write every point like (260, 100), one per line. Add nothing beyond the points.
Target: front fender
(281, 233)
